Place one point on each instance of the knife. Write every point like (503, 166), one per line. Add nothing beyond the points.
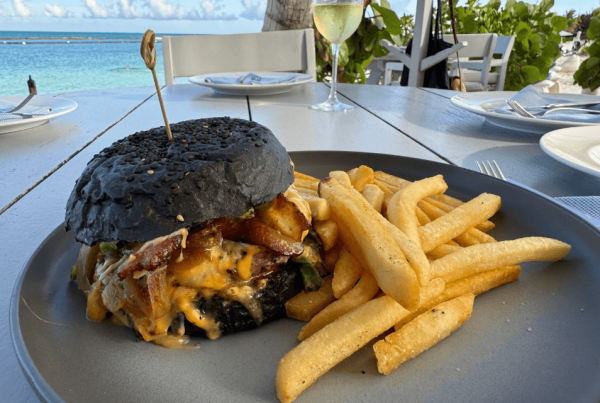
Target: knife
(552, 106)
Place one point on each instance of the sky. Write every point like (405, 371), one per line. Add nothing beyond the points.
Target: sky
(169, 16)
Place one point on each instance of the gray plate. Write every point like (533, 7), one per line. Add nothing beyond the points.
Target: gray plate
(533, 340)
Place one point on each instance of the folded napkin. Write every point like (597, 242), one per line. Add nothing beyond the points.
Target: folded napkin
(531, 100)
(254, 79)
(588, 205)
(28, 111)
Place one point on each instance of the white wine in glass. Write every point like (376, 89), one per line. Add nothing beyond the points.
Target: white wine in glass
(336, 20)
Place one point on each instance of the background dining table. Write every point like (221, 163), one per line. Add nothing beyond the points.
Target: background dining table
(40, 166)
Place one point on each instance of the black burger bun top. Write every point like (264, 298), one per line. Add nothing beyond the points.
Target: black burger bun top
(146, 186)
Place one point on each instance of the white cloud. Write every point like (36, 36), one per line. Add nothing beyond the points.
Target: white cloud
(156, 10)
(163, 10)
(210, 8)
(253, 11)
(53, 10)
(128, 10)
(96, 10)
(21, 9)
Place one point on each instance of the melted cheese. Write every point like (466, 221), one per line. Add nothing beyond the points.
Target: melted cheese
(292, 195)
(197, 273)
(213, 268)
(95, 308)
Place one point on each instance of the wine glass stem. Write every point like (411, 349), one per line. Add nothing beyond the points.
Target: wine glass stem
(333, 92)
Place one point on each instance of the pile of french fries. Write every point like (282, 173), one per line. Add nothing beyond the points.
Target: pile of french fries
(404, 255)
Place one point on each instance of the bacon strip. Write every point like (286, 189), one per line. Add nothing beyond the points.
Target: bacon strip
(152, 256)
(261, 234)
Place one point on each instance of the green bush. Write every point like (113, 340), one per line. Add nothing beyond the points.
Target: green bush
(588, 74)
(357, 52)
(535, 27)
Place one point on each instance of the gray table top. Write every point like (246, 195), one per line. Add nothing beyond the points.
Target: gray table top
(392, 120)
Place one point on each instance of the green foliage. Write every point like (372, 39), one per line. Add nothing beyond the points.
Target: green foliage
(588, 74)
(535, 27)
(357, 52)
(572, 20)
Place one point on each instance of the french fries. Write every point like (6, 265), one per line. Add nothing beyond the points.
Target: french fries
(404, 255)
(346, 273)
(458, 221)
(401, 208)
(306, 305)
(306, 183)
(475, 284)
(342, 178)
(370, 243)
(374, 195)
(361, 177)
(423, 332)
(363, 291)
(328, 232)
(478, 258)
(319, 208)
(300, 367)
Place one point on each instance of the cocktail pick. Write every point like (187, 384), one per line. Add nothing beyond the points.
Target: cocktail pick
(148, 52)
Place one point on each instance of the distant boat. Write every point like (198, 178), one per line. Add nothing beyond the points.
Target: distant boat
(23, 43)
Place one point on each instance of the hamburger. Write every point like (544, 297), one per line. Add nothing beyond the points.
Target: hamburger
(201, 235)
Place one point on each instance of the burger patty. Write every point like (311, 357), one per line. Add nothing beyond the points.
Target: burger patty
(232, 316)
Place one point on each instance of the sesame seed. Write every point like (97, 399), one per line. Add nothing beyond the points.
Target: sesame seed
(179, 217)
(150, 172)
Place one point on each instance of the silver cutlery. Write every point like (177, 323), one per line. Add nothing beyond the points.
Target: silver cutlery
(18, 107)
(491, 171)
(517, 107)
(592, 111)
(570, 104)
(586, 206)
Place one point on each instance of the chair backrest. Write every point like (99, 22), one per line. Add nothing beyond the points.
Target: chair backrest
(504, 45)
(186, 56)
(479, 46)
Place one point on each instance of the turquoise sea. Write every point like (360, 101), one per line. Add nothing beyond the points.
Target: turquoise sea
(71, 61)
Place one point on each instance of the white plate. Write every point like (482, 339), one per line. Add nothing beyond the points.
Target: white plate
(578, 148)
(484, 104)
(243, 89)
(60, 106)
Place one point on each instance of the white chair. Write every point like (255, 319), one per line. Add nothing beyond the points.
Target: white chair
(186, 56)
(480, 46)
(504, 45)
(418, 61)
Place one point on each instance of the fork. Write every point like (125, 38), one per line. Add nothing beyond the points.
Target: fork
(586, 206)
(22, 104)
(519, 109)
(496, 173)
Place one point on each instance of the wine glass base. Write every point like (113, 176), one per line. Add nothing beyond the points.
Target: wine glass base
(328, 106)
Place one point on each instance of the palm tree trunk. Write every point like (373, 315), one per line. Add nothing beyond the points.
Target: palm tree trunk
(283, 15)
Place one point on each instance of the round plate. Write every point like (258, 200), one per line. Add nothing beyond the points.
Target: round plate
(60, 106)
(578, 148)
(532, 340)
(242, 89)
(484, 104)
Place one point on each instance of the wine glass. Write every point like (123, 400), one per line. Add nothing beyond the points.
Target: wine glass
(336, 20)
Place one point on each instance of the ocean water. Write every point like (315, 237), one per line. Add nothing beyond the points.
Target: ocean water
(71, 61)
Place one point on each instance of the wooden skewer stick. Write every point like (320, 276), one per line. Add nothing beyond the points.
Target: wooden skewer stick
(148, 52)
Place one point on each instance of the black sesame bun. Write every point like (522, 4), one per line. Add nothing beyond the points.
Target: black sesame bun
(145, 186)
